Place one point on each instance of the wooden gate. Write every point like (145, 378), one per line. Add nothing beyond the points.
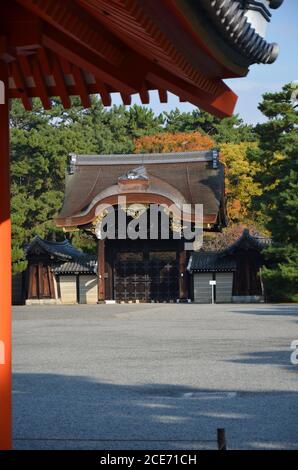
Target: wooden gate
(145, 280)
(41, 283)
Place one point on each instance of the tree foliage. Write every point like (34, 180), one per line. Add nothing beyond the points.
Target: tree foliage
(40, 143)
(261, 169)
(173, 142)
(231, 129)
(240, 185)
(277, 157)
(219, 241)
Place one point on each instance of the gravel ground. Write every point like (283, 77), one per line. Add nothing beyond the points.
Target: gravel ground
(155, 376)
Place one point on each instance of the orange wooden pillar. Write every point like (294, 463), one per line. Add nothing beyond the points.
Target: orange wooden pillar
(5, 268)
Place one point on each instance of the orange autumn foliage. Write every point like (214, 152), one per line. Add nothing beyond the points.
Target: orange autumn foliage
(173, 142)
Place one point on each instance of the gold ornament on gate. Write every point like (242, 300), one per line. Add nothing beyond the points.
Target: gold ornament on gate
(136, 210)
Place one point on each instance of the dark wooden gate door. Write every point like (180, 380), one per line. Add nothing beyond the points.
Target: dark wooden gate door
(41, 284)
(145, 280)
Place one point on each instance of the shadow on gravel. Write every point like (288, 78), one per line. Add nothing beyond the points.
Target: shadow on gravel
(268, 310)
(54, 411)
(274, 358)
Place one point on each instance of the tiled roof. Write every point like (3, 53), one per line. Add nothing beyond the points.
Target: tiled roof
(86, 264)
(248, 242)
(230, 19)
(202, 261)
(66, 259)
(61, 250)
(212, 261)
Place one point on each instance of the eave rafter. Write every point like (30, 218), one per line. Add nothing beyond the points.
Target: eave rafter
(16, 74)
(40, 83)
(80, 82)
(104, 93)
(126, 98)
(75, 53)
(82, 47)
(44, 61)
(70, 18)
(61, 85)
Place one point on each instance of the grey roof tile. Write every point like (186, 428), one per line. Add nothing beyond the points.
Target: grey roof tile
(84, 265)
(202, 261)
(62, 250)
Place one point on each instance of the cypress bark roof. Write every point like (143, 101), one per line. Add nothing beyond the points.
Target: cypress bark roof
(181, 178)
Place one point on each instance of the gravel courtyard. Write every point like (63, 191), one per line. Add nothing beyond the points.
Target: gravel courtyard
(154, 376)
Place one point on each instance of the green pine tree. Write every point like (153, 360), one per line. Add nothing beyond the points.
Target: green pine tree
(277, 156)
(229, 130)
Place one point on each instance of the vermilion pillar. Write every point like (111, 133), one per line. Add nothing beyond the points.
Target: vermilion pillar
(5, 268)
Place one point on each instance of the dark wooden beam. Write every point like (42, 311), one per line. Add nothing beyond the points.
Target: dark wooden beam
(183, 291)
(101, 270)
(86, 59)
(109, 257)
(126, 98)
(104, 94)
(220, 103)
(25, 65)
(82, 87)
(144, 95)
(163, 95)
(20, 84)
(40, 84)
(51, 282)
(44, 61)
(66, 66)
(77, 23)
(60, 83)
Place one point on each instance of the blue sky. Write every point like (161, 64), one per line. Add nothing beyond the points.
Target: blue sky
(283, 29)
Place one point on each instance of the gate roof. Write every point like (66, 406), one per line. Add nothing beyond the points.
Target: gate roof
(169, 178)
